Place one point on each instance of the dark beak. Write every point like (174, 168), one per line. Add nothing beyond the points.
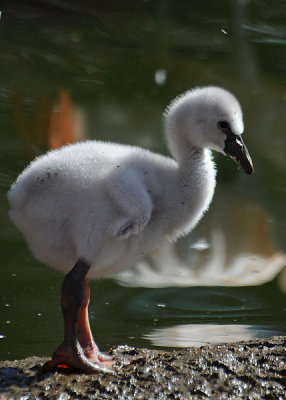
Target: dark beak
(236, 149)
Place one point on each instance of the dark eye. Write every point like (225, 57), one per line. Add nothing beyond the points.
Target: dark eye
(223, 125)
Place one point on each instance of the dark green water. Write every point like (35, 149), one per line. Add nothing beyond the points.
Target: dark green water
(122, 62)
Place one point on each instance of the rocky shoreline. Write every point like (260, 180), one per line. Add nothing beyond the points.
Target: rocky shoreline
(255, 369)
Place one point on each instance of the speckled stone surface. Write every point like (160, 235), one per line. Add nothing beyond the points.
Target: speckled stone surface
(247, 370)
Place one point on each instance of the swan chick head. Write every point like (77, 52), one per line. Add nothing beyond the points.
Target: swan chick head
(208, 117)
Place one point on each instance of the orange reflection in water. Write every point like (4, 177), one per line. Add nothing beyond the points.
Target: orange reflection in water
(66, 123)
(49, 125)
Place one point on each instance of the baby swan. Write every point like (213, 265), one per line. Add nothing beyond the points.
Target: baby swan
(98, 207)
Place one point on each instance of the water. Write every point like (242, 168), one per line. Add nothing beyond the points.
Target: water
(114, 68)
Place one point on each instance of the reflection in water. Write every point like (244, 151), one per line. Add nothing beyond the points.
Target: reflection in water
(66, 122)
(51, 125)
(199, 335)
(237, 252)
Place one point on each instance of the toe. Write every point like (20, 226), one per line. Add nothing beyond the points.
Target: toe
(74, 358)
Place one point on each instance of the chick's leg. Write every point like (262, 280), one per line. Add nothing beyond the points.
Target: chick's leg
(74, 305)
(84, 334)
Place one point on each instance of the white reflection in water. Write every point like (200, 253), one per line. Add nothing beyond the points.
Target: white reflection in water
(243, 270)
(199, 335)
(240, 252)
